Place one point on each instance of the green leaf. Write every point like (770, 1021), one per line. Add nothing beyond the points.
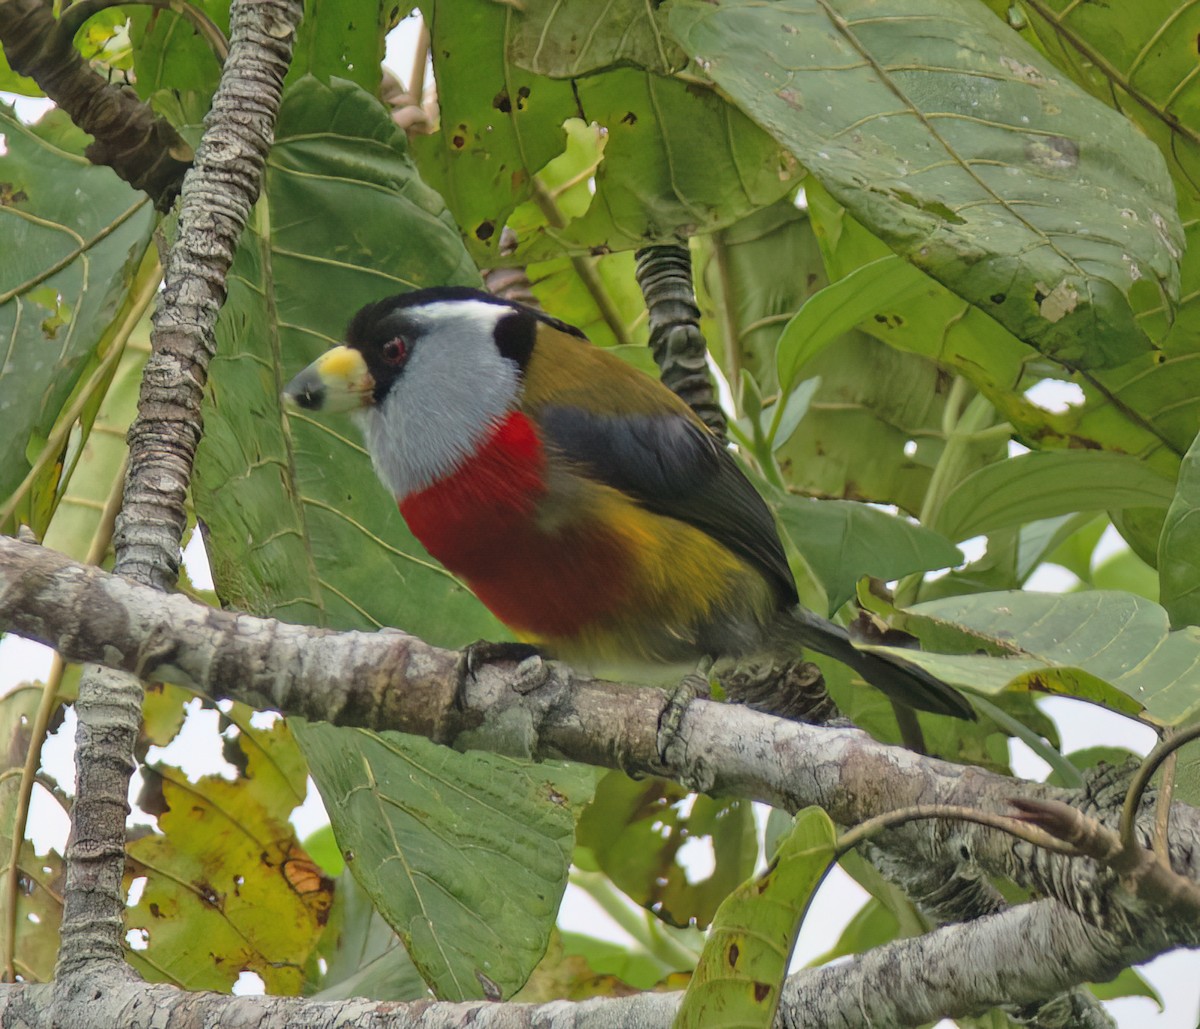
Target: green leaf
(169, 54)
(74, 235)
(345, 40)
(751, 279)
(299, 526)
(633, 832)
(1113, 648)
(1105, 47)
(465, 855)
(627, 962)
(1014, 160)
(563, 291)
(363, 956)
(795, 407)
(1127, 983)
(841, 306)
(11, 82)
(1179, 545)
(841, 541)
(739, 975)
(1045, 485)
(501, 124)
(98, 465)
(1149, 406)
(568, 39)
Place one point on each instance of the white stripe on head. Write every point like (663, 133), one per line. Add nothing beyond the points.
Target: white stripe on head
(455, 387)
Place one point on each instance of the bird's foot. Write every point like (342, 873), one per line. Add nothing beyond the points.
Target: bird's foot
(693, 686)
(530, 673)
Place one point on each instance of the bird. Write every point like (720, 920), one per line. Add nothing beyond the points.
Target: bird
(583, 502)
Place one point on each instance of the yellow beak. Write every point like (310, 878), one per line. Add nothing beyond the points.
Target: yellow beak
(338, 380)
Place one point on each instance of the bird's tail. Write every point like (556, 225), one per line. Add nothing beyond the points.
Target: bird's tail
(899, 679)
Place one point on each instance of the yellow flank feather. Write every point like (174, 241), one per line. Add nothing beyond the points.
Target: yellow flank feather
(683, 581)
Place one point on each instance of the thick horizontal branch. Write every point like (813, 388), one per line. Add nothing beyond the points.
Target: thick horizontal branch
(391, 680)
(1016, 957)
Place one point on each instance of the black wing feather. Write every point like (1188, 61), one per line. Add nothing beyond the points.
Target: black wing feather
(677, 468)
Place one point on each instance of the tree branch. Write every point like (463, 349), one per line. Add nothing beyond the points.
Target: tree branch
(390, 680)
(143, 149)
(218, 194)
(1018, 956)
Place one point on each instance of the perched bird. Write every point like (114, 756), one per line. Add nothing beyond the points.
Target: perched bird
(580, 500)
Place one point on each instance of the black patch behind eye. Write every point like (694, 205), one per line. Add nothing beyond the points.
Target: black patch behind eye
(515, 335)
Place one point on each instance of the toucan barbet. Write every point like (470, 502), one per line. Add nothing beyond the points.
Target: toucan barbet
(581, 501)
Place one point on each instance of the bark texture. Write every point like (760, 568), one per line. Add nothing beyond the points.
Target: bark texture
(218, 195)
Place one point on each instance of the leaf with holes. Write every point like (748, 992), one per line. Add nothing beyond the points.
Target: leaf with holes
(634, 831)
(228, 888)
(950, 138)
(501, 124)
(740, 973)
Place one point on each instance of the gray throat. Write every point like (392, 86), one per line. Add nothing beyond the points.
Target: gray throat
(451, 395)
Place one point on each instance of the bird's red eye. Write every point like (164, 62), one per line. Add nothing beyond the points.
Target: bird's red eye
(395, 351)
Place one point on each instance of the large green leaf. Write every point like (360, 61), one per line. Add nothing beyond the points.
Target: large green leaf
(841, 541)
(1115, 648)
(738, 979)
(500, 124)
(1179, 545)
(1136, 58)
(569, 38)
(950, 138)
(857, 440)
(298, 526)
(1148, 407)
(74, 235)
(1036, 486)
(465, 855)
(343, 40)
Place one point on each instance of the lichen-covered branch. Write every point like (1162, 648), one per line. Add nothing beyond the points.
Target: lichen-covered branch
(218, 194)
(1020, 955)
(145, 150)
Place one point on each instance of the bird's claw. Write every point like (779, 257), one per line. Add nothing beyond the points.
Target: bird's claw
(531, 670)
(692, 686)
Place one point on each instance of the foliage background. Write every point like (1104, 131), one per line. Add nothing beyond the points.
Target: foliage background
(929, 438)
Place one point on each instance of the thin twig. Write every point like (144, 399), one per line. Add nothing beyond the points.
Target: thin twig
(1004, 823)
(1142, 777)
(585, 267)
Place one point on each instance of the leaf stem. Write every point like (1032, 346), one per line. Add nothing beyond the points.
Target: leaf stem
(670, 952)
